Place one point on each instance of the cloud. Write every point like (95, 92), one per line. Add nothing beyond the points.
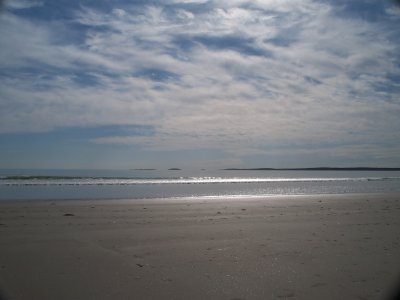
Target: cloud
(245, 75)
(22, 4)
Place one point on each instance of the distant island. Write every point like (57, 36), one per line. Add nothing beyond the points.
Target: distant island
(314, 169)
(174, 169)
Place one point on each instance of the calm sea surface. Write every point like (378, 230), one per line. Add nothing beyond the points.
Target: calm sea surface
(135, 184)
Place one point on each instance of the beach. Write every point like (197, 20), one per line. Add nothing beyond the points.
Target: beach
(270, 247)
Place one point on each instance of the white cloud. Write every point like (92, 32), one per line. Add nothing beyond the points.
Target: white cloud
(318, 87)
(119, 12)
(22, 4)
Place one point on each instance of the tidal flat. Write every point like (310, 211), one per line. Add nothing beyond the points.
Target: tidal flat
(271, 247)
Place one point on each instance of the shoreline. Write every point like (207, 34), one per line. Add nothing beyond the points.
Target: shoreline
(327, 246)
(202, 197)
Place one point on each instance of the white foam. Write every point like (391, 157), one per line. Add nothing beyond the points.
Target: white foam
(190, 180)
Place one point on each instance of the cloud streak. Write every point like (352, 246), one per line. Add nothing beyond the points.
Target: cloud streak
(22, 4)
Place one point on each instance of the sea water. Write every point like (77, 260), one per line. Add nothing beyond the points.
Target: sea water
(137, 184)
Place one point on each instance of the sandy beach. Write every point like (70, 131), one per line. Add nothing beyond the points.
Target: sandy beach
(278, 247)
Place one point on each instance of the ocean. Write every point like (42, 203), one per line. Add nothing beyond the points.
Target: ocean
(139, 184)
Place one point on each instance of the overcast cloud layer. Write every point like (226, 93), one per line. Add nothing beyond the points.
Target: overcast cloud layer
(248, 78)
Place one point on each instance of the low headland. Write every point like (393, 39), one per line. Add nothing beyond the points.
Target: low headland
(315, 169)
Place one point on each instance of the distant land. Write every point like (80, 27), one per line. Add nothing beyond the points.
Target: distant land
(314, 169)
(146, 169)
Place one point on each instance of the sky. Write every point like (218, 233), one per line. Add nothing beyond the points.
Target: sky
(199, 84)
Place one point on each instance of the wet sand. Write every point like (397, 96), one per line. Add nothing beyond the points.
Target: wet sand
(278, 247)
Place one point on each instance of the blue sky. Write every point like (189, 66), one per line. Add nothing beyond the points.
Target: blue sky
(202, 84)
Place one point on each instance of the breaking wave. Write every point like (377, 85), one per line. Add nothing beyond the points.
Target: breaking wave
(86, 181)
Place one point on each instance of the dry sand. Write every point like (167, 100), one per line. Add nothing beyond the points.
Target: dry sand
(279, 247)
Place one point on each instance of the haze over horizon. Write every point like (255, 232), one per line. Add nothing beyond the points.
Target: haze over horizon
(199, 84)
